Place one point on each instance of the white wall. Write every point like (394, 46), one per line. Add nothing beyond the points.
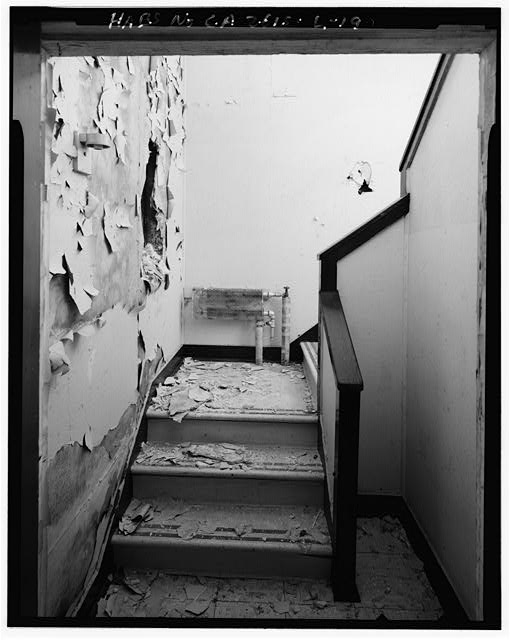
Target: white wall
(371, 286)
(270, 142)
(440, 481)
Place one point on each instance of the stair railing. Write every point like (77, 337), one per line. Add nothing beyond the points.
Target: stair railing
(339, 390)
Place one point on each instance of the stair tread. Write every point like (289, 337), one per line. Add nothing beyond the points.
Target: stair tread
(208, 387)
(249, 415)
(222, 523)
(229, 459)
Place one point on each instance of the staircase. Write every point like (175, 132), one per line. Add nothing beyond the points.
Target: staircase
(258, 511)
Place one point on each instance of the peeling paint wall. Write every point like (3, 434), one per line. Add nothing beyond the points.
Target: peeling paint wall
(271, 142)
(113, 241)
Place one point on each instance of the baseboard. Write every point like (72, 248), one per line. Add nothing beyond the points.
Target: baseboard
(239, 353)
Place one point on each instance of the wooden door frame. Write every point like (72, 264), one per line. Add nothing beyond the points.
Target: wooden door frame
(43, 32)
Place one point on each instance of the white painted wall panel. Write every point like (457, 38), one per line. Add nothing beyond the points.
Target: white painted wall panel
(370, 283)
(270, 142)
(440, 484)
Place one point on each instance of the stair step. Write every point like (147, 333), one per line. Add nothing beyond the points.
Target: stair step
(215, 486)
(252, 474)
(229, 540)
(292, 429)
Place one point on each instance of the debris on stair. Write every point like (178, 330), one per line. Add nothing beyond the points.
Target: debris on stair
(217, 455)
(281, 606)
(243, 529)
(228, 456)
(175, 508)
(386, 533)
(135, 514)
(188, 530)
(201, 386)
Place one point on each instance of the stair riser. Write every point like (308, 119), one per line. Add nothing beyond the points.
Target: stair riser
(195, 560)
(236, 432)
(235, 490)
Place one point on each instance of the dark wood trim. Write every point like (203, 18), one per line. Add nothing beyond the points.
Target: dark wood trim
(427, 107)
(17, 514)
(24, 326)
(311, 335)
(328, 274)
(229, 352)
(343, 572)
(362, 234)
(341, 350)
(326, 499)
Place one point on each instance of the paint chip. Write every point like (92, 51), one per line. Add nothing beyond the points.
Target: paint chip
(59, 362)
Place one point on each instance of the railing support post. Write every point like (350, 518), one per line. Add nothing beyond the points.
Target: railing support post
(343, 576)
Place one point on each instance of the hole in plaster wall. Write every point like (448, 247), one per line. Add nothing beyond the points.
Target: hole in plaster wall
(151, 229)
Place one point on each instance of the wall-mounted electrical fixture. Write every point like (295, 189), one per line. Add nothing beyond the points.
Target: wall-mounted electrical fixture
(84, 142)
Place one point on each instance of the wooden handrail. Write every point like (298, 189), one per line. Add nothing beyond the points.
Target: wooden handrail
(341, 349)
(349, 384)
(366, 231)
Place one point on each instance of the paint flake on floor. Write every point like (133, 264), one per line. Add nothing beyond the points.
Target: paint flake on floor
(390, 578)
(228, 456)
(205, 387)
(304, 526)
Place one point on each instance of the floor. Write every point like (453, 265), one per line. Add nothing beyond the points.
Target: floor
(205, 387)
(391, 581)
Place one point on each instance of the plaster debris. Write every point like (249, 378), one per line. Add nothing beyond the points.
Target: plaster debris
(188, 530)
(199, 395)
(198, 606)
(235, 386)
(243, 530)
(153, 268)
(281, 606)
(222, 455)
(391, 583)
(180, 402)
(175, 508)
(137, 513)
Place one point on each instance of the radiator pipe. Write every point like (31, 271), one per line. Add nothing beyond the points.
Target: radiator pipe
(285, 326)
(259, 341)
(271, 321)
